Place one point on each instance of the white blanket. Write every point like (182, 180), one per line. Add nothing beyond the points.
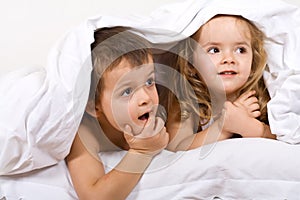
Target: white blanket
(40, 109)
(49, 183)
(233, 169)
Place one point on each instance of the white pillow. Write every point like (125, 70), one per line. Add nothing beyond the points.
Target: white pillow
(41, 108)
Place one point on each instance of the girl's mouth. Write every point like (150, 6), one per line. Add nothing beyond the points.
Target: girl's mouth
(227, 73)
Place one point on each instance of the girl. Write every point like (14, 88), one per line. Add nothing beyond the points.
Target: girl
(229, 58)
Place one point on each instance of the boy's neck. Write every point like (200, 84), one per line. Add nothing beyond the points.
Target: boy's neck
(114, 135)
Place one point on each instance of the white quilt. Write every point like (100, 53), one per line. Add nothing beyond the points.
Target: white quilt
(40, 111)
(232, 169)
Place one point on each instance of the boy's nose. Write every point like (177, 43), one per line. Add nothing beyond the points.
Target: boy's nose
(143, 96)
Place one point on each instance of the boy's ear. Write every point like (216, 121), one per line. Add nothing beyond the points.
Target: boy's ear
(91, 109)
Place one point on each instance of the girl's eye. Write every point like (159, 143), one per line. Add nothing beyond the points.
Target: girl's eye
(241, 50)
(126, 92)
(213, 50)
(150, 82)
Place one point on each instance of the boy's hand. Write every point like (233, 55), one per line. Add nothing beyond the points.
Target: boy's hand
(151, 140)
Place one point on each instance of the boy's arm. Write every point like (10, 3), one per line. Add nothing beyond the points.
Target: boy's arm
(88, 175)
(90, 180)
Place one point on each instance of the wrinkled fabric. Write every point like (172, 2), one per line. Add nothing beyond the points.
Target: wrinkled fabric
(266, 173)
(41, 109)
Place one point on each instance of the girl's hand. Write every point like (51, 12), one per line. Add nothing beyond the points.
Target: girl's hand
(234, 119)
(249, 103)
(151, 140)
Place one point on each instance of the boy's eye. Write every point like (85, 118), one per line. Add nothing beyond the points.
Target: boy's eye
(213, 50)
(126, 92)
(150, 82)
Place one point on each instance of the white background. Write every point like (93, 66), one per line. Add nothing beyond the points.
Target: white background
(29, 28)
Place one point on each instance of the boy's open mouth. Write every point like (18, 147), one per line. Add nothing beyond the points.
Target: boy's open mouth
(144, 116)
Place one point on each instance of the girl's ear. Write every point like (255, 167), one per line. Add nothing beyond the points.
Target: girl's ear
(92, 108)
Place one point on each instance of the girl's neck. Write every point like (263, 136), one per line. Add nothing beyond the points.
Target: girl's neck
(231, 97)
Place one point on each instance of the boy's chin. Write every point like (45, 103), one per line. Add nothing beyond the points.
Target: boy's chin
(137, 129)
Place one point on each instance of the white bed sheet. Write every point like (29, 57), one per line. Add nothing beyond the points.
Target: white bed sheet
(50, 183)
(31, 138)
(40, 112)
(232, 169)
(252, 168)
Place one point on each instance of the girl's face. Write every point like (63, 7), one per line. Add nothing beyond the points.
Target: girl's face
(129, 95)
(227, 42)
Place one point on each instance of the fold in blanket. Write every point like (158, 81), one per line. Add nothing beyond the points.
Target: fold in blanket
(53, 113)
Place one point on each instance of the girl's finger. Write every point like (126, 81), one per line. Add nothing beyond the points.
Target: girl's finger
(246, 95)
(251, 100)
(256, 114)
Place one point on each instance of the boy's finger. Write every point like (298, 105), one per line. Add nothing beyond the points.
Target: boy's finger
(159, 125)
(149, 126)
(128, 130)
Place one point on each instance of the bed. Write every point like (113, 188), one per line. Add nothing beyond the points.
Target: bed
(232, 169)
(50, 102)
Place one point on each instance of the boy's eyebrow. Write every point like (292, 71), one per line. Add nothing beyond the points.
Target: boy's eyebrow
(151, 72)
(126, 83)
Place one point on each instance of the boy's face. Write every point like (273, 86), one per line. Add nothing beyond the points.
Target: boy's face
(227, 42)
(129, 95)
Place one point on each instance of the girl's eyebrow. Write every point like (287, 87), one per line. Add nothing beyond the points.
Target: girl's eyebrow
(244, 43)
(209, 43)
(218, 43)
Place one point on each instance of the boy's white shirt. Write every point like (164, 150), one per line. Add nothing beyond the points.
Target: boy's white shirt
(38, 131)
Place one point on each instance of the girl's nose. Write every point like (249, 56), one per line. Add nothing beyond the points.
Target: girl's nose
(228, 58)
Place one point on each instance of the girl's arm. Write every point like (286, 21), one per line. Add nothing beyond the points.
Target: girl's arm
(237, 117)
(244, 112)
(210, 135)
(183, 137)
(234, 119)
